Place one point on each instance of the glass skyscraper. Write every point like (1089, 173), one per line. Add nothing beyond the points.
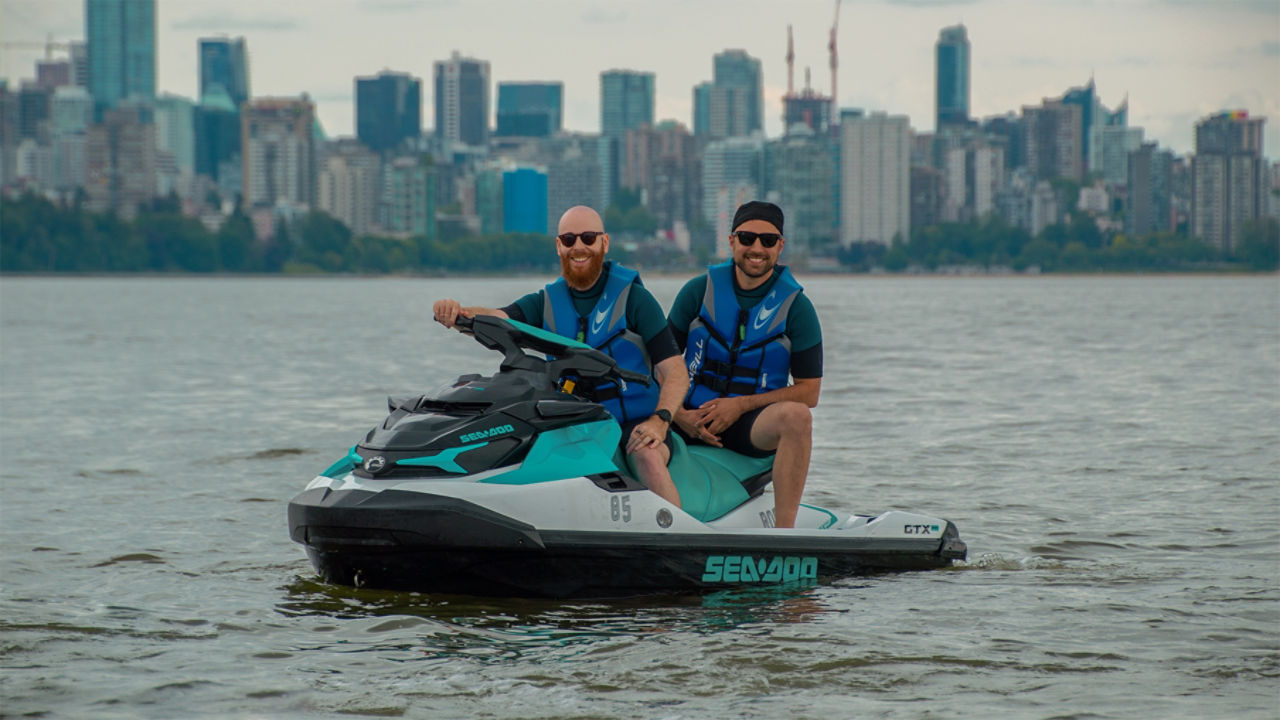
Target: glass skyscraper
(530, 109)
(952, 76)
(224, 63)
(737, 95)
(626, 101)
(122, 50)
(388, 110)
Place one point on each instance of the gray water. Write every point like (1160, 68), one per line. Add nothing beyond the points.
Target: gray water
(1109, 448)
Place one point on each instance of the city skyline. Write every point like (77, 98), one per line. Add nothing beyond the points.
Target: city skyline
(1225, 55)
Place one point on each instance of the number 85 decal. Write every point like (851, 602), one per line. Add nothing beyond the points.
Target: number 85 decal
(620, 508)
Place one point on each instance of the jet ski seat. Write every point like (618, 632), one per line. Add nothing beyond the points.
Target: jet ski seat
(713, 481)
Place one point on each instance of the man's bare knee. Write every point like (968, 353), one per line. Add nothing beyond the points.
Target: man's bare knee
(795, 419)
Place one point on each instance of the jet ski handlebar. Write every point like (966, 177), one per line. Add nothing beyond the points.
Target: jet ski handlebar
(512, 338)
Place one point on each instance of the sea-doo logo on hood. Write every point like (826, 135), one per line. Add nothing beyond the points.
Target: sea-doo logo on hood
(375, 465)
(482, 434)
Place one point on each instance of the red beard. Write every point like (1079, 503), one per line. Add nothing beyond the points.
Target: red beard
(582, 278)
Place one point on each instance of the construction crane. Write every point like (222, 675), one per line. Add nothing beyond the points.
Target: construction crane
(831, 45)
(48, 46)
(791, 61)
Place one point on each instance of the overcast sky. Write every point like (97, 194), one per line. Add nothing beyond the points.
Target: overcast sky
(1176, 60)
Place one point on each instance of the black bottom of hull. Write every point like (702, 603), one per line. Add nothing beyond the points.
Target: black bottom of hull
(609, 573)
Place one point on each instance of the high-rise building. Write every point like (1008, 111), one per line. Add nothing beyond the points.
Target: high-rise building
(1110, 148)
(53, 73)
(926, 196)
(79, 52)
(1091, 114)
(626, 101)
(575, 176)
(175, 131)
(802, 170)
(121, 162)
(70, 114)
(1228, 178)
(733, 172)
(875, 178)
(524, 201)
(806, 109)
(33, 111)
(388, 110)
(1053, 136)
(348, 185)
(661, 163)
(462, 100)
(973, 175)
(278, 145)
(952, 81)
(224, 63)
(121, 35)
(1149, 191)
(530, 109)
(736, 104)
(217, 140)
(702, 109)
(70, 110)
(489, 200)
(409, 198)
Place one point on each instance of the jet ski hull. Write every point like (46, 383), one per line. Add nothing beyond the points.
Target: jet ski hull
(424, 542)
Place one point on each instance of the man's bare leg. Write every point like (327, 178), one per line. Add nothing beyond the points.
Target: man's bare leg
(651, 466)
(786, 427)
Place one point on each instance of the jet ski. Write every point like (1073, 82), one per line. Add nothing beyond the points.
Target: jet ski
(508, 485)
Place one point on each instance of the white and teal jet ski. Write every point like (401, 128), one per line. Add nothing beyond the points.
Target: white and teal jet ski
(508, 486)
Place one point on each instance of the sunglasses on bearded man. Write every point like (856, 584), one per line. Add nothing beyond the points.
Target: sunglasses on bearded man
(571, 239)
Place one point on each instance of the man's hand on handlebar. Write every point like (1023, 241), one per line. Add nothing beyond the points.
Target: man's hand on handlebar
(447, 312)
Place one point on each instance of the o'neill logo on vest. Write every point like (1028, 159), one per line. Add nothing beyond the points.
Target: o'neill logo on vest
(696, 361)
(766, 312)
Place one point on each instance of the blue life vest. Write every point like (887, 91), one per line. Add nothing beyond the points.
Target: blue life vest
(732, 351)
(605, 328)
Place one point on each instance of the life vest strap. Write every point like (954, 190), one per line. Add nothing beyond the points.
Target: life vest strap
(724, 386)
(725, 369)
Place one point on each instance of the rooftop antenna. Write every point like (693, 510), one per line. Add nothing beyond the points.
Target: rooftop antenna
(831, 45)
(791, 60)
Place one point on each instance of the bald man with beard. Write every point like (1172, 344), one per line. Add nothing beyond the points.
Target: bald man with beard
(580, 305)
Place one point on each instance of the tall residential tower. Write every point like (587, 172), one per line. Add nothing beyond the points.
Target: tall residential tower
(462, 100)
(952, 68)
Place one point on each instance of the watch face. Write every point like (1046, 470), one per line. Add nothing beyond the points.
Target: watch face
(664, 415)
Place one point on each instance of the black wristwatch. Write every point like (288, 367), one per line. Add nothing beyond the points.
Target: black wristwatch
(663, 414)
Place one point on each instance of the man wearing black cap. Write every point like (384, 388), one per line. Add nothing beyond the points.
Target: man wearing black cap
(746, 326)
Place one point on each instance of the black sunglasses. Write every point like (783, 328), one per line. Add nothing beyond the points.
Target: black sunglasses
(588, 238)
(748, 238)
